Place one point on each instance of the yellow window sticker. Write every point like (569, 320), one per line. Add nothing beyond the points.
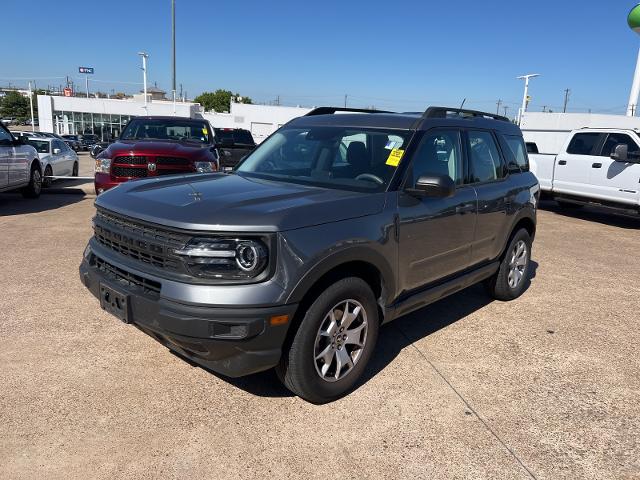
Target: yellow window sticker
(205, 131)
(394, 157)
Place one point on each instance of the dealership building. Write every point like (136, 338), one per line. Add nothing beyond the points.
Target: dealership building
(106, 117)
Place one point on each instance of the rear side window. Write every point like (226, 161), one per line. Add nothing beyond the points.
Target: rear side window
(583, 143)
(485, 162)
(614, 139)
(519, 150)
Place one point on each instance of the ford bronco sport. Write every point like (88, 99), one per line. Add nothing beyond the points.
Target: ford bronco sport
(337, 223)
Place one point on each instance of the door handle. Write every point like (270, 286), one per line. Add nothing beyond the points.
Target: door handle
(596, 165)
(562, 162)
(467, 207)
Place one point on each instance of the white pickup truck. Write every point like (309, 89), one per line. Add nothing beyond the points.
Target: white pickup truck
(595, 166)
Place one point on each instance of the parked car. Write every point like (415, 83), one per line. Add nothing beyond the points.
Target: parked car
(295, 259)
(153, 146)
(595, 166)
(56, 158)
(8, 121)
(73, 142)
(24, 133)
(233, 145)
(70, 143)
(19, 165)
(87, 141)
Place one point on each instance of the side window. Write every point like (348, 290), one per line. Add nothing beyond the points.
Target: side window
(439, 153)
(614, 139)
(519, 150)
(484, 158)
(5, 137)
(583, 143)
(58, 144)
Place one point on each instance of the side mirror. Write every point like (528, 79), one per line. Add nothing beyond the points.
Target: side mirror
(56, 151)
(433, 186)
(620, 153)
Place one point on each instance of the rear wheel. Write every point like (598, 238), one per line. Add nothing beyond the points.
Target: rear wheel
(511, 278)
(333, 344)
(34, 188)
(46, 182)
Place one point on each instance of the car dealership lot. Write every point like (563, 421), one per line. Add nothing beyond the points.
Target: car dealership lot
(546, 386)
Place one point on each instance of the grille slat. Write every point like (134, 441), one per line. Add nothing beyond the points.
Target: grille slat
(130, 279)
(138, 241)
(130, 160)
(172, 161)
(134, 172)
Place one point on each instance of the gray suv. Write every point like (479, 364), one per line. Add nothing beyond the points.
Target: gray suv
(337, 223)
(20, 167)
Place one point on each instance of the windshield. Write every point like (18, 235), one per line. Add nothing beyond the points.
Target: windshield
(166, 129)
(41, 146)
(333, 157)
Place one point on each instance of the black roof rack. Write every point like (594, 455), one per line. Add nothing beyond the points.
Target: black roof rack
(442, 112)
(332, 110)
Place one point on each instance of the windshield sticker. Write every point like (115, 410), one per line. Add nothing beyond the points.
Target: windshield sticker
(394, 157)
(391, 145)
(204, 131)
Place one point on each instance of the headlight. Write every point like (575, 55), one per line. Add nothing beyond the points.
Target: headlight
(103, 165)
(225, 258)
(205, 167)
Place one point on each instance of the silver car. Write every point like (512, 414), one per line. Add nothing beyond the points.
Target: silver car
(19, 165)
(56, 157)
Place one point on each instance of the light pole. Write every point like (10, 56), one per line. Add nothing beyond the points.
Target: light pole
(173, 58)
(144, 77)
(33, 124)
(526, 79)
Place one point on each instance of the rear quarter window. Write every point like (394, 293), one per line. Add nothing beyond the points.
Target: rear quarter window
(518, 150)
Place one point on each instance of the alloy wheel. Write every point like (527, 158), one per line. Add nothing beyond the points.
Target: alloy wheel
(518, 264)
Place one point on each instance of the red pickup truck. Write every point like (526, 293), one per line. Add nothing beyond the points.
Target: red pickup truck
(152, 146)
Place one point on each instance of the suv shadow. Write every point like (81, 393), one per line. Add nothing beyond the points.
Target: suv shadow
(394, 337)
(13, 204)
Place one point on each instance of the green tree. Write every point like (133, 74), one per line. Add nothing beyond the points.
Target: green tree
(220, 100)
(15, 105)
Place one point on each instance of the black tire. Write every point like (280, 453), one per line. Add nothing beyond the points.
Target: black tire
(34, 188)
(298, 368)
(501, 286)
(46, 182)
(74, 173)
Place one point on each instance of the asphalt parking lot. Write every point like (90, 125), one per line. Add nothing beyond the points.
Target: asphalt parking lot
(544, 387)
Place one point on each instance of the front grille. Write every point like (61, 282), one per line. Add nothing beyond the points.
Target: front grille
(118, 171)
(138, 241)
(173, 171)
(172, 161)
(131, 160)
(130, 279)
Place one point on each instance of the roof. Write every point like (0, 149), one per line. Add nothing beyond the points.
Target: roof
(406, 121)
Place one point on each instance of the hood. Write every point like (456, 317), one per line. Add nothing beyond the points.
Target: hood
(220, 202)
(154, 147)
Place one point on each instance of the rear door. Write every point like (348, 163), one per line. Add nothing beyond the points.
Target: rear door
(6, 149)
(573, 167)
(613, 180)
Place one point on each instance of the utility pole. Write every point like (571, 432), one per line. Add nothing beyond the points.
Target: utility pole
(33, 124)
(144, 77)
(525, 98)
(567, 92)
(345, 101)
(544, 108)
(506, 107)
(173, 46)
(498, 109)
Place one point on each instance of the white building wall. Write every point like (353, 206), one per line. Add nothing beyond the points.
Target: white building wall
(550, 130)
(260, 120)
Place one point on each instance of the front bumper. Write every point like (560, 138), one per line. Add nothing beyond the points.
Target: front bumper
(233, 341)
(103, 182)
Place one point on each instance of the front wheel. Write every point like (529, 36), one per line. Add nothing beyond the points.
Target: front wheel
(333, 344)
(510, 281)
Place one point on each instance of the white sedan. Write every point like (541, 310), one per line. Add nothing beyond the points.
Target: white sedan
(56, 158)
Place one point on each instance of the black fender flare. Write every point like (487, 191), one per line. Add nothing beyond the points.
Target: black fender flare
(335, 259)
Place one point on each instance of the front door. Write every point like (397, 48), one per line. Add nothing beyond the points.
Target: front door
(435, 234)
(613, 180)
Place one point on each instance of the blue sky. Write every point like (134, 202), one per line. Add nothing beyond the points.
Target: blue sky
(398, 55)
